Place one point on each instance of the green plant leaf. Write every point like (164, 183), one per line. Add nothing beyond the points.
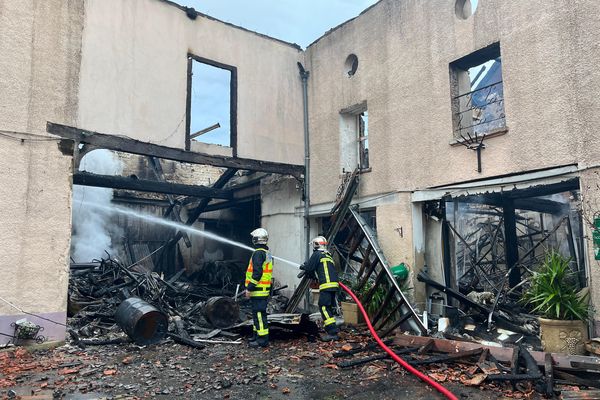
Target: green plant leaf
(551, 293)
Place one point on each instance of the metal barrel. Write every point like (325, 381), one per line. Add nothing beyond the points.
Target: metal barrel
(141, 321)
(221, 312)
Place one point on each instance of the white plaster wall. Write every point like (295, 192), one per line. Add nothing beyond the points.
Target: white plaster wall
(39, 68)
(279, 199)
(550, 55)
(590, 189)
(134, 77)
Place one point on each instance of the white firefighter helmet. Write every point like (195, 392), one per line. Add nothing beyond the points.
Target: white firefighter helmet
(319, 243)
(259, 236)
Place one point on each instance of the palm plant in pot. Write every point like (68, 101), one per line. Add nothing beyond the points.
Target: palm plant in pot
(562, 309)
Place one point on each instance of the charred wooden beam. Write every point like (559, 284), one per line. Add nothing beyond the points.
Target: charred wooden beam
(366, 261)
(503, 354)
(384, 305)
(381, 356)
(370, 346)
(174, 209)
(142, 185)
(423, 277)
(397, 323)
(549, 373)
(186, 342)
(390, 315)
(368, 273)
(230, 203)
(195, 213)
(511, 243)
(378, 279)
(449, 357)
(426, 347)
(128, 145)
(575, 380)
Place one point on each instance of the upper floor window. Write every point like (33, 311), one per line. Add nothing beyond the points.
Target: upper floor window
(354, 138)
(363, 140)
(211, 103)
(477, 94)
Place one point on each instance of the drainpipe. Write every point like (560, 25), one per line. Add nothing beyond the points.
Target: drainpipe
(304, 74)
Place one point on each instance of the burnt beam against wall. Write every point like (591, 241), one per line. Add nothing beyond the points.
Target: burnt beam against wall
(174, 209)
(142, 185)
(196, 212)
(128, 145)
(512, 243)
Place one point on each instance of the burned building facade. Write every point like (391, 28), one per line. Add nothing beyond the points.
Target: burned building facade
(127, 68)
(481, 147)
(475, 133)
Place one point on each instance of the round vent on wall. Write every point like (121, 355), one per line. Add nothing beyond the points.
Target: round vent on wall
(465, 8)
(351, 65)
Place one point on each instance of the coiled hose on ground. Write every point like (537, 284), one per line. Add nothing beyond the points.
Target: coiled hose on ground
(400, 361)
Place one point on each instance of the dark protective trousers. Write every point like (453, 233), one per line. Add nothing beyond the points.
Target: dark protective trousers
(326, 307)
(259, 315)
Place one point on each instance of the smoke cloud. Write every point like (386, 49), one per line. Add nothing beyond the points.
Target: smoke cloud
(92, 229)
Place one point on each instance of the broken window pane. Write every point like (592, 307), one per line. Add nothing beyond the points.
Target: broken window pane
(478, 94)
(210, 104)
(370, 218)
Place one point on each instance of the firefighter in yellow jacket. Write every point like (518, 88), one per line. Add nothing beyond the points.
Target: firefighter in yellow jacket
(258, 286)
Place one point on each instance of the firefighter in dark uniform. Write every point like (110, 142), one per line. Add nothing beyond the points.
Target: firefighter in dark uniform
(258, 286)
(321, 266)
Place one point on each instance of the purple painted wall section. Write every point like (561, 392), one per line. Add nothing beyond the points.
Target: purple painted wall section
(52, 332)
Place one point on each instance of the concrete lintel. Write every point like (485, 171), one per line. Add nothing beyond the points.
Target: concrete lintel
(375, 200)
(497, 185)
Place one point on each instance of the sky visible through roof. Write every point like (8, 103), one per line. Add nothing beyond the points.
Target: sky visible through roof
(294, 21)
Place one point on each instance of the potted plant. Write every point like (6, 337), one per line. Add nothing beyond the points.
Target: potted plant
(563, 310)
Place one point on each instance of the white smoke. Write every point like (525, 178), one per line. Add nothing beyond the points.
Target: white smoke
(92, 227)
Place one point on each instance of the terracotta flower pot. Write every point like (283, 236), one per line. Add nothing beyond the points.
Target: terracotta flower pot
(561, 336)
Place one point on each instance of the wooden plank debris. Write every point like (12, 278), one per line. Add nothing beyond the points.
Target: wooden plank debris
(503, 354)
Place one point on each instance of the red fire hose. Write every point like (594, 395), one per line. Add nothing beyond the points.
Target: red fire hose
(400, 361)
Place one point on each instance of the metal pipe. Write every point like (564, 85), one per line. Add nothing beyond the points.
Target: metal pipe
(304, 74)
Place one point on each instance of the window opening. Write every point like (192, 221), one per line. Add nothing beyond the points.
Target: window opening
(483, 249)
(212, 106)
(354, 138)
(363, 139)
(478, 94)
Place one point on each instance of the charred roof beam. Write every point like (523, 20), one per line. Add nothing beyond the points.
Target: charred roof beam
(128, 145)
(142, 185)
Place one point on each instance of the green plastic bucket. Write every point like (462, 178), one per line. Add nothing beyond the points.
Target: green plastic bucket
(400, 271)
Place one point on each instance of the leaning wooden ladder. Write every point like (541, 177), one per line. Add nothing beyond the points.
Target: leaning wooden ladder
(356, 242)
(338, 213)
(353, 240)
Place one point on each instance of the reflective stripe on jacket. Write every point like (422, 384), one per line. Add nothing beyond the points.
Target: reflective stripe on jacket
(328, 278)
(263, 285)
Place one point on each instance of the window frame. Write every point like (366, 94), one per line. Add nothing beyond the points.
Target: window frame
(362, 137)
(232, 100)
(458, 71)
(353, 113)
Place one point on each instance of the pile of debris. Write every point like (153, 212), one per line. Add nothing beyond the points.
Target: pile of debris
(106, 298)
(482, 318)
(515, 371)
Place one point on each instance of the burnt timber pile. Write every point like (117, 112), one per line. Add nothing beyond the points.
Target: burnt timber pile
(106, 298)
